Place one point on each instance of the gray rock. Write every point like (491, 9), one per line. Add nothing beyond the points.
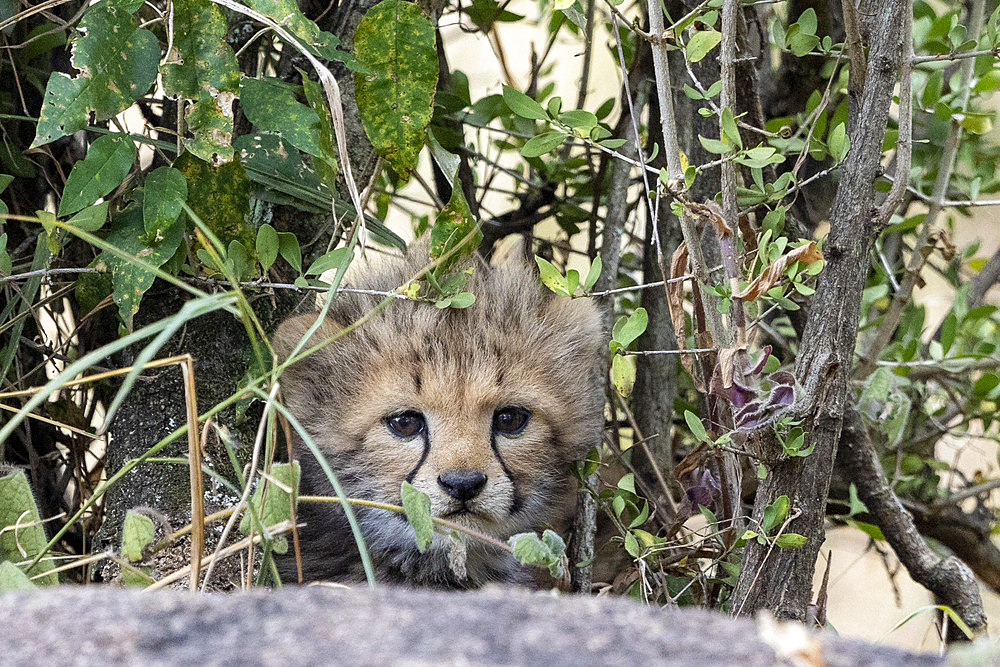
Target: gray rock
(329, 626)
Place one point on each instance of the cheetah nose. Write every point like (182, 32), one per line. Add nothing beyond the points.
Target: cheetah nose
(462, 484)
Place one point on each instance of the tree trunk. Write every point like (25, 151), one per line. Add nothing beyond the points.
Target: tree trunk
(781, 579)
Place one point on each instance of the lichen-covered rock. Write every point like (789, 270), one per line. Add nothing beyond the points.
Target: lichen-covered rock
(332, 626)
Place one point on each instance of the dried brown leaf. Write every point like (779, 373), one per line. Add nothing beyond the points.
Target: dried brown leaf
(808, 253)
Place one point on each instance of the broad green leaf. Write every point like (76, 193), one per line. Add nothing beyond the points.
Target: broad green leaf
(775, 513)
(270, 104)
(203, 69)
(12, 579)
(272, 503)
(220, 197)
(287, 13)
(106, 165)
(522, 105)
(807, 21)
(701, 43)
(418, 512)
(623, 374)
(551, 277)
(546, 551)
(543, 143)
(18, 508)
(130, 279)
(267, 246)
(117, 63)
(274, 164)
(593, 274)
(137, 534)
(165, 192)
(91, 218)
(395, 42)
(856, 505)
(696, 427)
(454, 230)
(634, 327)
(326, 164)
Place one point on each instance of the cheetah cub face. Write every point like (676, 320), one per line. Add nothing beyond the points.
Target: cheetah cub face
(483, 409)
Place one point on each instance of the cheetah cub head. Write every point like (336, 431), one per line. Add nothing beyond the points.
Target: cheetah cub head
(482, 408)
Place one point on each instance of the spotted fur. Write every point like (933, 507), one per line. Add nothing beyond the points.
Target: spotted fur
(518, 345)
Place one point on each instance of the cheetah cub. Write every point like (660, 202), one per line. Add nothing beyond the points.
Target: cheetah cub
(483, 409)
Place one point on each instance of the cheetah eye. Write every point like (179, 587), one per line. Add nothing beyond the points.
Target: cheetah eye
(510, 420)
(406, 424)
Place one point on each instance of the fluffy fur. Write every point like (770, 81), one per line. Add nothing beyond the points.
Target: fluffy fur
(518, 345)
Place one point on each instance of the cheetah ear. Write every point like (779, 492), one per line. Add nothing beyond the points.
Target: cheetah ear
(292, 330)
(577, 322)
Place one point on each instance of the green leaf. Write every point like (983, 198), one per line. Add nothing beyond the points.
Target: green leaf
(627, 483)
(522, 105)
(418, 511)
(551, 276)
(856, 504)
(696, 427)
(130, 279)
(701, 43)
(546, 551)
(633, 327)
(106, 165)
(572, 280)
(623, 374)
(455, 231)
(775, 513)
(320, 43)
(165, 192)
(273, 504)
(869, 529)
(220, 197)
(790, 541)
(267, 246)
(396, 43)
(714, 145)
(117, 63)
(91, 218)
(327, 164)
(12, 579)
(543, 143)
(202, 68)
(270, 104)
(462, 300)
(18, 508)
(593, 274)
(807, 21)
(580, 120)
(331, 260)
(288, 246)
(632, 545)
(838, 142)
(730, 132)
(137, 534)
(5, 263)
